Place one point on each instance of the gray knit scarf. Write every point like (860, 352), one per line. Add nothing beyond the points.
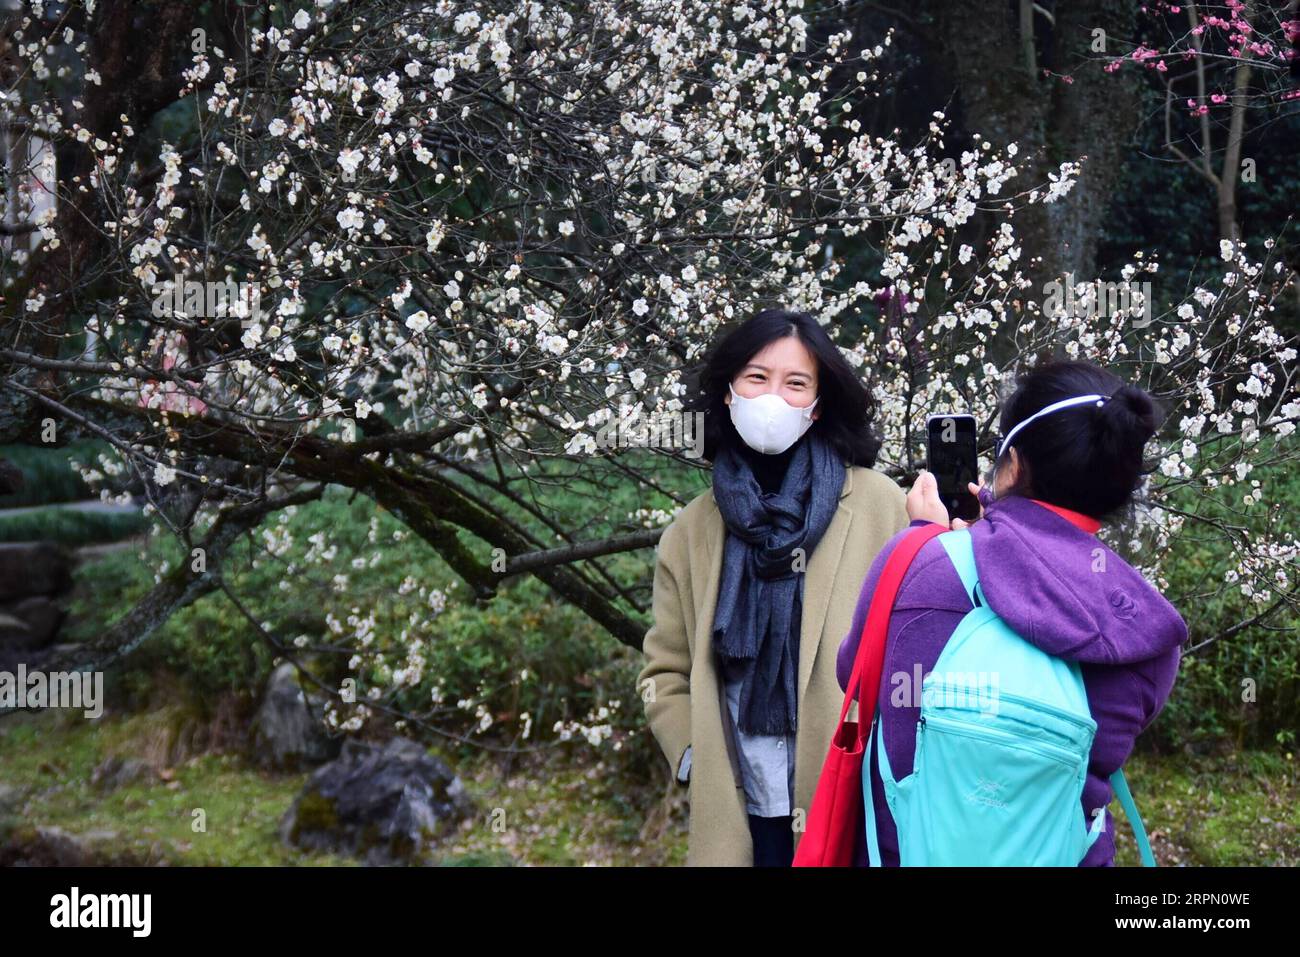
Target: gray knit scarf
(760, 595)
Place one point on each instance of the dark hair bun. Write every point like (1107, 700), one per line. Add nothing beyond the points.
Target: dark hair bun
(1127, 420)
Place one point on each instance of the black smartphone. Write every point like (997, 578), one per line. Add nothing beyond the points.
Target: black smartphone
(950, 445)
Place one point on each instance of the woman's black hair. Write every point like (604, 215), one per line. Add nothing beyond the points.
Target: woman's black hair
(1087, 458)
(846, 407)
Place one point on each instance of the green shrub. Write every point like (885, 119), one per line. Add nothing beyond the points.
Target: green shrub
(1207, 707)
(70, 526)
(48, 475)
(524, 653)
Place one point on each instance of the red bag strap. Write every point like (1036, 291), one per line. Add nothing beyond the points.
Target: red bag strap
(869, 661)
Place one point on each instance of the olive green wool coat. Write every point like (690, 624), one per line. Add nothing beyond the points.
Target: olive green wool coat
(679, 682)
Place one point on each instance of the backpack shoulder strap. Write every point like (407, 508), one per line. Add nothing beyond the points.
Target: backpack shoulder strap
(873, 837)
(1120, 784)
(961, 552)
(877, 741)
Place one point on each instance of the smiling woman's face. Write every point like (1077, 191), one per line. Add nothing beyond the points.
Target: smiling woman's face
(784, 367)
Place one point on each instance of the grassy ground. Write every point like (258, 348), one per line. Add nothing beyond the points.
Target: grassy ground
(547, 810)
(1241, 810)
(559, 808)
(49, 759)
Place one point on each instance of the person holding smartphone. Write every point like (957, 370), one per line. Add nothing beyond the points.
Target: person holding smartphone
(1070, 457)
(755, 582)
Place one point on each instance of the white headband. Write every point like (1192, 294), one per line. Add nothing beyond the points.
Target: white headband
(1054, 407)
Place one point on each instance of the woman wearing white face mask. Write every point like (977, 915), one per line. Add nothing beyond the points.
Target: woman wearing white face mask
(755, 584)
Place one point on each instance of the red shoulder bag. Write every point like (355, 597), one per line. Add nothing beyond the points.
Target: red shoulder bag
(835, 818)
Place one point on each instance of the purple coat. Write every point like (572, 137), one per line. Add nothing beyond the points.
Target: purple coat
(1036, 569)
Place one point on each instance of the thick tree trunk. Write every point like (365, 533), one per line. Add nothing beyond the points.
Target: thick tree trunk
(1097, 115)
(1051, 120)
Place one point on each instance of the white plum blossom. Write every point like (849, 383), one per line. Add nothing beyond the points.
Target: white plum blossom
(349, 159)
(434, 237)
(351, 218)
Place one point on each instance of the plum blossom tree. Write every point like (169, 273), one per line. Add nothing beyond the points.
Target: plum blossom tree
(477, 229)
(1219, 68)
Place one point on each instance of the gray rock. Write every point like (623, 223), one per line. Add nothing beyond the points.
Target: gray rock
(380, 803)
(116, 771)
(30, 622)
(46, 846)
(288, 732)
(14, 632)
(34, 568)
(11, 799)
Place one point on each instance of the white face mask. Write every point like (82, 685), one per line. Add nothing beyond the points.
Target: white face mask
(768, 423)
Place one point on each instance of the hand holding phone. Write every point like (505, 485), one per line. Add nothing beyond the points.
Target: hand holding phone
(923, 502)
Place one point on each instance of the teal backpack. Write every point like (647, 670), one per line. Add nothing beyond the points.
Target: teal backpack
(1000, 760)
